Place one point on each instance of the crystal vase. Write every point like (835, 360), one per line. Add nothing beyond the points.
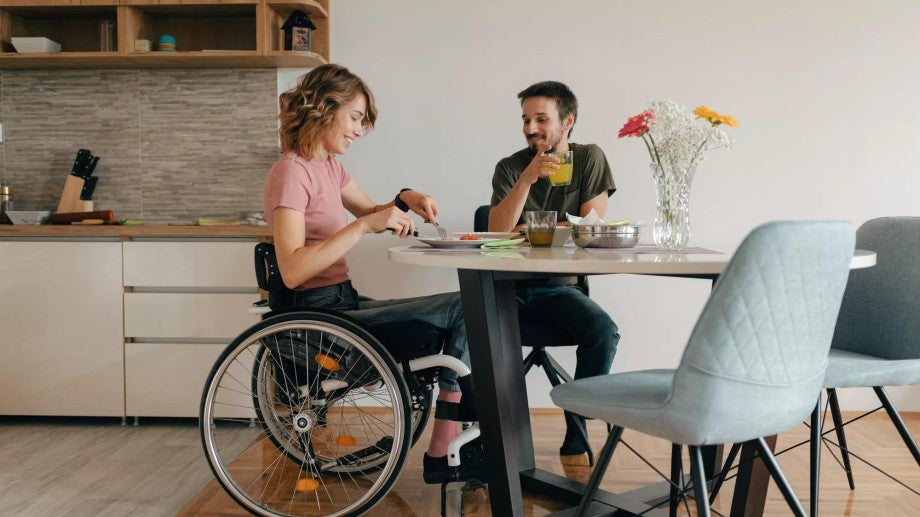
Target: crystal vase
(672, 220)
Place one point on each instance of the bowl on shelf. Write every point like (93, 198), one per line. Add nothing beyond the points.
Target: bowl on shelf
(43, 45)
(28, 216)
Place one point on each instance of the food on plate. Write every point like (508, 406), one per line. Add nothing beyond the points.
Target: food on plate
(469, 237)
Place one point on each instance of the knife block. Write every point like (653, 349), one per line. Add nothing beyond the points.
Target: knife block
(70, 197)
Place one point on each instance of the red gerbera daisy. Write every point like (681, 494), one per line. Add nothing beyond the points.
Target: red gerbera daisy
(638, 125)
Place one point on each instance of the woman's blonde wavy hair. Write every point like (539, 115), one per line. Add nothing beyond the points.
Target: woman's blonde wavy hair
(308, 109)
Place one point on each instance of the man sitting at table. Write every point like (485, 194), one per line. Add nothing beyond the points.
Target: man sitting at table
(549, 110)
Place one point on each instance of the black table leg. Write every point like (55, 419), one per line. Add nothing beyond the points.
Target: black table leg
(493, 331)
(490, 309)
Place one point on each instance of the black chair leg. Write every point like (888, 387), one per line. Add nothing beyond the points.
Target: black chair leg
(726, 467)
(549, 362)
(602, 461)
(699, 482)
(898, 423)
(815, 453)
(675, 479)
(529, 360)
(841, 436)
(767, 457)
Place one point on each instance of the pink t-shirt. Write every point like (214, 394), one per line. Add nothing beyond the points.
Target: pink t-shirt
(315, 188)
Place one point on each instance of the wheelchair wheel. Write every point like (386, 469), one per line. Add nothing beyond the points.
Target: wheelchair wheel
(333, 412)
(276, 395)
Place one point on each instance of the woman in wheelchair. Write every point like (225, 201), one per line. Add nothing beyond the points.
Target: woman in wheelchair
(339, 385)
(307, 194)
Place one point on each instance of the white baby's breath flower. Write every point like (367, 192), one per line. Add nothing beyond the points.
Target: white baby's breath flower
(678, 140)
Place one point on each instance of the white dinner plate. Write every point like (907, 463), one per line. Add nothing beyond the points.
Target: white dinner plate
(454, 242)
(490, 235)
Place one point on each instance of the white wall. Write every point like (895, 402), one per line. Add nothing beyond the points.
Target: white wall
(826, 92)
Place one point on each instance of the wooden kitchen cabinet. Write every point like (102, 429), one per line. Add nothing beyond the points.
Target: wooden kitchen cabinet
(210, 33)
(61, 330)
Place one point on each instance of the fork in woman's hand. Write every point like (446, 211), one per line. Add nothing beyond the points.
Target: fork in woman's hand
(441, 231)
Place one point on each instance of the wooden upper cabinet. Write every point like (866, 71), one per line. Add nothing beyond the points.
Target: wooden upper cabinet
(209, 33)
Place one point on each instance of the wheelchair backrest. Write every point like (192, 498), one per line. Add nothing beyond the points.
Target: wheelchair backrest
(268, 277)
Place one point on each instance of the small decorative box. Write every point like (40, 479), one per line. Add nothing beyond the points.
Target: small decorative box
(142, 45)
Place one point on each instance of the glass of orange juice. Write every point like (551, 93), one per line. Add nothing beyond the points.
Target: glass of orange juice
(563, 175)
(541, 225)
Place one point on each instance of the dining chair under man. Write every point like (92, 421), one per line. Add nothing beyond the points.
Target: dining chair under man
(538, 337)
(754, 363)
(877, 339)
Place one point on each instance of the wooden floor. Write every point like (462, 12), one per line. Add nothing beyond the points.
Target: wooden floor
(69, 467)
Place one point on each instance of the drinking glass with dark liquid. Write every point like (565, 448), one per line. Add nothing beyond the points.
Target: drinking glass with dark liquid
(541, 225)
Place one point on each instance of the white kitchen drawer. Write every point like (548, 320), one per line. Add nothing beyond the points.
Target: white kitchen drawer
(167, 379)
(189, 264)
(188, 315)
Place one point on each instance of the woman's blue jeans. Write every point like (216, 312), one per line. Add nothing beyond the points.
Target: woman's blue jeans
(444, 311)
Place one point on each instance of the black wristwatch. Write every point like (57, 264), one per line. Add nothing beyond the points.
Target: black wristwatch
(400, 204)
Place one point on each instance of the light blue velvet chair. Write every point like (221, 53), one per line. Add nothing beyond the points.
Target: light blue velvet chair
(754, 364)
(877, 339)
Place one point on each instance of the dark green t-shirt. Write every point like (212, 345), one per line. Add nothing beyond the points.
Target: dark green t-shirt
(590, 176)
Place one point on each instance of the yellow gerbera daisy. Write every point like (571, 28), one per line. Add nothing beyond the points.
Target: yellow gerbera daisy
(703, 112)
(714, 117)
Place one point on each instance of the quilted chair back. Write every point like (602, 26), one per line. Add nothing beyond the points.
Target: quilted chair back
(755, 362)
(880, 313)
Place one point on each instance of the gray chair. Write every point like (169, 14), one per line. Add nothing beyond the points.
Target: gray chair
(754, 363)
(877, 339)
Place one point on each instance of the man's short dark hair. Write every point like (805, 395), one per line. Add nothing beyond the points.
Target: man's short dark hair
(565, 99)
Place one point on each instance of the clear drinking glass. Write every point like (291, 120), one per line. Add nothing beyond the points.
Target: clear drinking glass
(541, 225)
(563, 175)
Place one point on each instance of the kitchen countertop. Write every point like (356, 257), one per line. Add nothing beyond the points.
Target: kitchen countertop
(129, 231)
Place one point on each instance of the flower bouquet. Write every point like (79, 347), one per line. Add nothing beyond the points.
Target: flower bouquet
(676, 143)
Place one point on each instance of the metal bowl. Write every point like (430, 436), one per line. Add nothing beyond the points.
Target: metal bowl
(605, 235)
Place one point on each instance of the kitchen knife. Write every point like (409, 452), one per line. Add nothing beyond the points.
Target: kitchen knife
(88, 187)
(79, 163)
(90, 167)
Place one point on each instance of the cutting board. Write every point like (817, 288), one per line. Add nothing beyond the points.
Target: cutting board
(107, 216)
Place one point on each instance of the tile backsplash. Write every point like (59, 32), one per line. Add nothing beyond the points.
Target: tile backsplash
(174, 143)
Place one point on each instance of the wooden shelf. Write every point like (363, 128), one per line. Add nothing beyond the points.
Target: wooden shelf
(9, 61)
(217, 59)
(210, 33)
(285, 7)
(295, 59)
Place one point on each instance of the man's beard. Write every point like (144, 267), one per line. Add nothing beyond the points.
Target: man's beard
(533, 147)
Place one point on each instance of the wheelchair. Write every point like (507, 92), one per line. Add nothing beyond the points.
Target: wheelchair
(308, 413)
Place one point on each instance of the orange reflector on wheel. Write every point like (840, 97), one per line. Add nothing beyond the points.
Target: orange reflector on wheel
(307, 485)
(327, 362)
(345, 440)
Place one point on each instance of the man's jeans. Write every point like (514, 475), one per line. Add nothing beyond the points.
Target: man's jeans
(572, 314)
